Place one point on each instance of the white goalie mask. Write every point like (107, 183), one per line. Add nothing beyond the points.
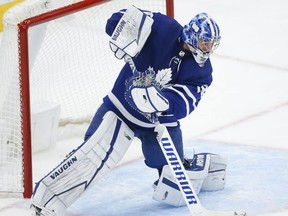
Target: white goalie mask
(202, 35)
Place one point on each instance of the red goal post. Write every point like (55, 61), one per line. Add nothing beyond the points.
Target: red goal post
(37, 65)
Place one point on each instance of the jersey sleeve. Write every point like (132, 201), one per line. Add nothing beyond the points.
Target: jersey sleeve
(183, 99)
(185, 95)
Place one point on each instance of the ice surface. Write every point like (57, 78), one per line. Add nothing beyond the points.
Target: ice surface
(251, 171)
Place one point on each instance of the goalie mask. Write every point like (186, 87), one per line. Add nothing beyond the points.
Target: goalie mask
(202, 35)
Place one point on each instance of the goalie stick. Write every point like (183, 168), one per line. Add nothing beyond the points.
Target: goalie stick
(178, 170)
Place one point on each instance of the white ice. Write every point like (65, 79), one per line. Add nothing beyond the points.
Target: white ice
(244, 116)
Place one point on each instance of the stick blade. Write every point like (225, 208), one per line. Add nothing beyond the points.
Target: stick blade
(226, 213)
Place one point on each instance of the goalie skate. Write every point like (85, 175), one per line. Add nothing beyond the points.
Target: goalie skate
(37, 211)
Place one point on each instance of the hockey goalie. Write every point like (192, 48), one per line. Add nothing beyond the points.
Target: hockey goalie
(170, 74)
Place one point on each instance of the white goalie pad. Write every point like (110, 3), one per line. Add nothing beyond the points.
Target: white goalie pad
(90, 161)
(131, 33)
(208, 168)
(216, 175)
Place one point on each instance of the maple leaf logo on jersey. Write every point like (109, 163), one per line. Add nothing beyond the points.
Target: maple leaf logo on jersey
(164, 76)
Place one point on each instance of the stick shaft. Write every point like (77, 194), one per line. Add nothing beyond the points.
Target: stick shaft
(178, 170)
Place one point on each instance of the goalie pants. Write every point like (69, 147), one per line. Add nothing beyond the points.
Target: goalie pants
(152, 152)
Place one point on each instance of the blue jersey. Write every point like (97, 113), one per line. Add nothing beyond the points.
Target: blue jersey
(184, 81)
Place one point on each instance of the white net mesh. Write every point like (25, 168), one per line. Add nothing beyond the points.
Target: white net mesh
(70, 64)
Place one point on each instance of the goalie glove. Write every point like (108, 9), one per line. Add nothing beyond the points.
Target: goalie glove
(143, 93)
(131, 33)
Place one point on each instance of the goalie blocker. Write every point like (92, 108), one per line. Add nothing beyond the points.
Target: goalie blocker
(90, 161)
(206, 172)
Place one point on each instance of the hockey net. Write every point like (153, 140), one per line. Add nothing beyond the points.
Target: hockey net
(53, 51)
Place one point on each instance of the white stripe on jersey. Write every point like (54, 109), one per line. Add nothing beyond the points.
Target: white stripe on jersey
(189, 93)
(183, 97)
